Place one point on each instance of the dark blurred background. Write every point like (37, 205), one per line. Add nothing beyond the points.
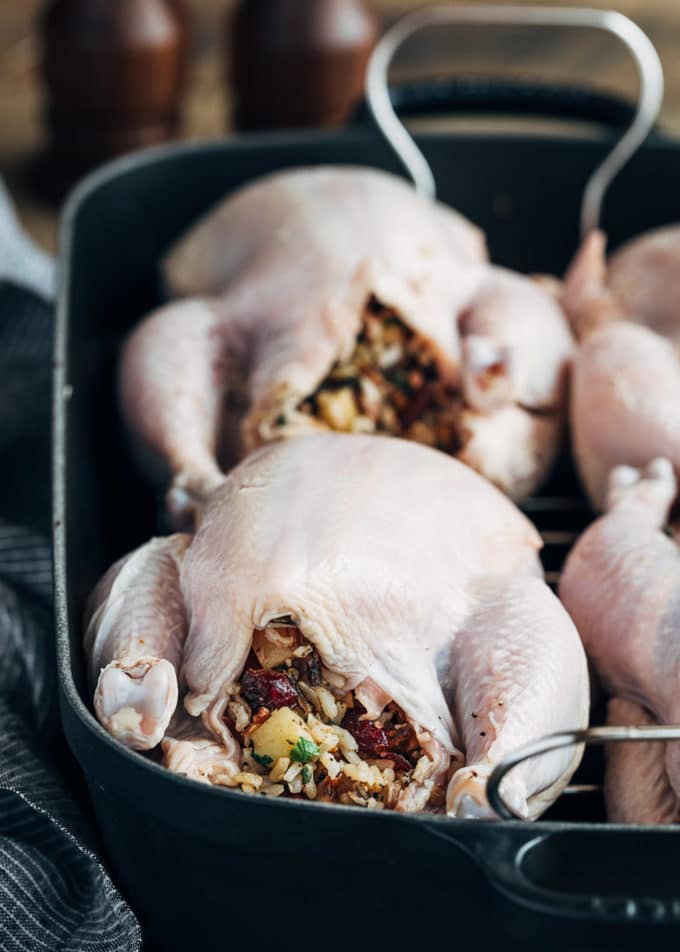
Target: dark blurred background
(205, 106)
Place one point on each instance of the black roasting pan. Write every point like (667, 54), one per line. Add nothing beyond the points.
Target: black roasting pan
(207, 868)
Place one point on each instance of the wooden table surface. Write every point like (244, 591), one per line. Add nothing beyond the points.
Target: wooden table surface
(577, 57)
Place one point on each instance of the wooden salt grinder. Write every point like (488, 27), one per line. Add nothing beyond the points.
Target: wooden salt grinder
(298, 62)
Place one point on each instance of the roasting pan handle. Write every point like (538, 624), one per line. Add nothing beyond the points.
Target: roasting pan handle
(515, 866)
(637, 42)
(582, 875)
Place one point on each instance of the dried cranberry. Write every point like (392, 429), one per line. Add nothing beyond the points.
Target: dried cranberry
(369, 735)
(265, 688)
(375, 742)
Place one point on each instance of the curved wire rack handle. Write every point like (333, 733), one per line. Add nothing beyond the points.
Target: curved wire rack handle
(639, 46)
(591, 735)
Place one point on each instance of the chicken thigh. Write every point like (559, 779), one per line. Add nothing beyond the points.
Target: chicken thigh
(625, 382)
(332, 615)
(331, 298)
(621, 585)
(644, 277)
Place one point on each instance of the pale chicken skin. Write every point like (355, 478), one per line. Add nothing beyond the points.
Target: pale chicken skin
(275, 285)
(135, 626)
(625, 381)
(621, 585)
(441, 606)
(644, 277)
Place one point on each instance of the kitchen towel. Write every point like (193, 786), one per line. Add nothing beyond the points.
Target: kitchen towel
(54, 892)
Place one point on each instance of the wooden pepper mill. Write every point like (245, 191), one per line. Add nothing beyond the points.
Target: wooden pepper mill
(298, 62)
(113, 71)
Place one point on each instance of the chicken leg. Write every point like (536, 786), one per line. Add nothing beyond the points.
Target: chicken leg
(621, 585)
(135, 627)
(507, 665)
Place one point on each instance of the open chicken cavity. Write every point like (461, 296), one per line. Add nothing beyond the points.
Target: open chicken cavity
(390, 384)
(302, 736)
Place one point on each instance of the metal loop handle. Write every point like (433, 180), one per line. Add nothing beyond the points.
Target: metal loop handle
(591, 735)
(638, 43)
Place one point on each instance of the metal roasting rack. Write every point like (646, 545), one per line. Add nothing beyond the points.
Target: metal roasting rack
(561, 513)
(638, 44)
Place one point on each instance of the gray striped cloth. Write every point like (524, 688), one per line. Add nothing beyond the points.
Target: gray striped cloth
(54, 891)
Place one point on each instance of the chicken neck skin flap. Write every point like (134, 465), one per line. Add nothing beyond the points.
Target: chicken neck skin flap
(621, 585)
(625, 383)
(135, 628)
(636, 786)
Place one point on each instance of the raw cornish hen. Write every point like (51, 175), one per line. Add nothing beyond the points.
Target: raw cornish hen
(363, 610)
(626, 379)
(338, 298)
(621, 585)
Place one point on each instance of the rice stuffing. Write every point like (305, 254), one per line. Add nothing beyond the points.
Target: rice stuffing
(303, 737)
(390, 384)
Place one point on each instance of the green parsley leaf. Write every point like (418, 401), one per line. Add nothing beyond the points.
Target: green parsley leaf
(306, 774)
(262, 761)
(304, 750)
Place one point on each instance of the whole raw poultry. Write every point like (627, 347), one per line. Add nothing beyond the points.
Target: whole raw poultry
(358, 612)
(337, 298)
